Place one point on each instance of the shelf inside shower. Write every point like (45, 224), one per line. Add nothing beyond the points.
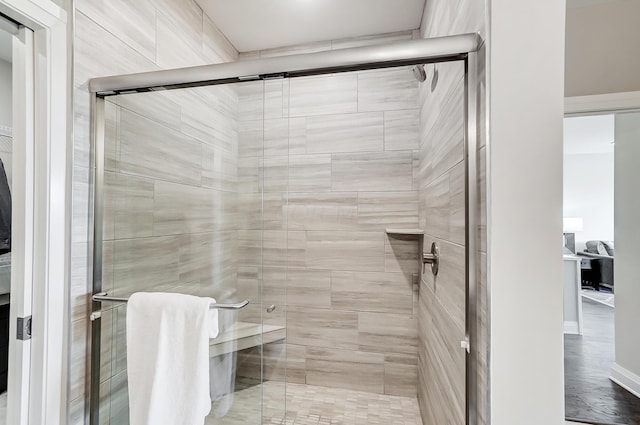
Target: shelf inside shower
(405, 232)
(243, 335)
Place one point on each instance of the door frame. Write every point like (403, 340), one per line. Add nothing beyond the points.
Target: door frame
(42, 114)
(602, 104)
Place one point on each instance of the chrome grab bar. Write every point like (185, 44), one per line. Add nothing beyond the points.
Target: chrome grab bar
(102, 297)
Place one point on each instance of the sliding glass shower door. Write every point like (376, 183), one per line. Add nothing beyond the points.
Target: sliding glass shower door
(184, 212)
(315, 198)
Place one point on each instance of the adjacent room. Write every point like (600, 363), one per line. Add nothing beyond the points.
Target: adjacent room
(599, 160)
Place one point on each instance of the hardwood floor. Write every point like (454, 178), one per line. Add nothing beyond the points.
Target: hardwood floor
(590, 396)
(3, 408)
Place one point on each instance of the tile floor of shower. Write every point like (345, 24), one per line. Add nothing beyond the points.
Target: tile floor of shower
(313, 405)
(310, 405)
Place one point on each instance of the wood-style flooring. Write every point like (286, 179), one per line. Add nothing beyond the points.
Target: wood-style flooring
(590, 396)
(3, 408)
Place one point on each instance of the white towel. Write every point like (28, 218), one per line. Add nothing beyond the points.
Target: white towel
(168, 358)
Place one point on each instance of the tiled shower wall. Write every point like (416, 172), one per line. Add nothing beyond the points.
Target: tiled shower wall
(339, 167)
(170, 210)
(441, 389)
(341, 170)
(165, 157)
(442, 213)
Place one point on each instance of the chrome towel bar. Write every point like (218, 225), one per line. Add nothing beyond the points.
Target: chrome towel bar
(102, 297)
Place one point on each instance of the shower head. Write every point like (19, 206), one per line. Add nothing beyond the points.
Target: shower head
(420, 73)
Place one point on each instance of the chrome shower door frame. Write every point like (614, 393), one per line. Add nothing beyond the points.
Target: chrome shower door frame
(463, 47)
(96, 221)
(472, 212)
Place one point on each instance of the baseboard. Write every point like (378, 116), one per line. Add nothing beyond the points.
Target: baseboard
(571, 328)
(626, 379)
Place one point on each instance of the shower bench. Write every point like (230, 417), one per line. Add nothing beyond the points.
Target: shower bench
(243, 335)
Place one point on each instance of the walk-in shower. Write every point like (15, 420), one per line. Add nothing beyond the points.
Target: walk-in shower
(308, 185)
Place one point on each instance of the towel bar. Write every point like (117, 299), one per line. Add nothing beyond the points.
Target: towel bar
(102, 297)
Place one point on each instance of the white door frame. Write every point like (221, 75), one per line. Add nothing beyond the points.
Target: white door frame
(22, 225)
(47, 149)
(601, 103)
(598, 105)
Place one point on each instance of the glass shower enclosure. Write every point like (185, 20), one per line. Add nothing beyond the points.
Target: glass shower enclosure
(183, 213)
(274, 182)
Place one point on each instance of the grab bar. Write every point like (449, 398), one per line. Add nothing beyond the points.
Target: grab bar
(102, 297)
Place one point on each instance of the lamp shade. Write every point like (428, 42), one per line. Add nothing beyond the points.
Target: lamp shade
(572, 224)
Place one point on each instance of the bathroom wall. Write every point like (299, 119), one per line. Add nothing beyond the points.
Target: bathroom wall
(525, 186)
(441, 313)
(164, 163)
(340, 154)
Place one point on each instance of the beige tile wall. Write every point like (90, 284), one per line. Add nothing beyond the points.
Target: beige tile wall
(442, 299)
(173, 210)
(441, 362)
(341, 163)
(339, 168)
(168, 168)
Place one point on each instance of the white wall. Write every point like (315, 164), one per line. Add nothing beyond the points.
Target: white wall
(526, 86)
(588, 193)
(627, 280)
(6, 93)
(601, 43)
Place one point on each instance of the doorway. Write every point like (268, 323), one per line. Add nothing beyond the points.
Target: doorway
(40, 213)
(16, 76)
(600, 292)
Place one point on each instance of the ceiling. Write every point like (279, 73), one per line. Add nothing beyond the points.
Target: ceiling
(572, 4)
(590, 134)
(257, 25)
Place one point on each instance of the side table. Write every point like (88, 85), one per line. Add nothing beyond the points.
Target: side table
(589, 272)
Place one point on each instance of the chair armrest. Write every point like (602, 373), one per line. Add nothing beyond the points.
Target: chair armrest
(595, 256)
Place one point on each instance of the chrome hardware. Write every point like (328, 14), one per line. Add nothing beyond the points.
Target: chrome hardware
(432, 258)
(465, 345)
(271, 308)
(103, 297)
(24, 328)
